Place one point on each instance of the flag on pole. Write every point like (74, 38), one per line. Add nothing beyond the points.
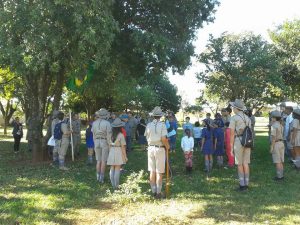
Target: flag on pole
(78, 82)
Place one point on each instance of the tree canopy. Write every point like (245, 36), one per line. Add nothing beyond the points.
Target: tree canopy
(241, 66)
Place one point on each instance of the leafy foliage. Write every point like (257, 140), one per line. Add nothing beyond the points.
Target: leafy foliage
(286, 40)
(241, 66)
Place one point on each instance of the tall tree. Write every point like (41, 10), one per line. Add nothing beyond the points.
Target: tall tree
(44, 40)
(241, 66)
(9, 89)
(287, 42)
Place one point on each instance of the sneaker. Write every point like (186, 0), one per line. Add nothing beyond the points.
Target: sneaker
(63, 168)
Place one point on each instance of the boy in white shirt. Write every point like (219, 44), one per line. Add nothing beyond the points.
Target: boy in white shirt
(187, 145)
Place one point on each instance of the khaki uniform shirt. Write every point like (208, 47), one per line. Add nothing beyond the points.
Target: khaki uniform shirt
(65, 129)
(76, 127)
(296, 127)
(101, 129)
(238, 123)
(155, 131)
(277, 131)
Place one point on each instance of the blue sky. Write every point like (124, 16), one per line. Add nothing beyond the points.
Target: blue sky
(236, 16)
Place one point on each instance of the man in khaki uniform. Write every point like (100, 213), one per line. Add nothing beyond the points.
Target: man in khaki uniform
(101, 130)
(277, 144)
(56, 147)
(238, 122)
(64, 142)
(76, 127)
(156, 134)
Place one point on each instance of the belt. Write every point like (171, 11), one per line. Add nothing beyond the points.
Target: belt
(279, 140)
(157, 146)
(238, 135)
(100, 138)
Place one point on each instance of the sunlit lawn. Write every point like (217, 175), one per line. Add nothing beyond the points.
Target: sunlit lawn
(41, 194)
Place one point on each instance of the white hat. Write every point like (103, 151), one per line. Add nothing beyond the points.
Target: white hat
(239, 104)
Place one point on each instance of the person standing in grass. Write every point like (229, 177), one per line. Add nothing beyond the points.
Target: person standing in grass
(17, 133)
(229, 153)
(156, 134)
(207, 145)
(187, 125)
(187, 145)
(89, 143)
(197, 131)
(237, 126)
(101, 129)
(117, 152)
(277, 145)
(295, 137)
(218, 134)
(76, 127)
(171, 133)
(141, 127)
(128, 128)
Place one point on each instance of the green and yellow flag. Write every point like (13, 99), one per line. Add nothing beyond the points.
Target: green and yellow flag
(77, 83)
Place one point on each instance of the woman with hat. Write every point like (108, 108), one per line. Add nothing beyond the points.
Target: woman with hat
(277, 145)
(237, 126)
(117, 152)
(295, 135)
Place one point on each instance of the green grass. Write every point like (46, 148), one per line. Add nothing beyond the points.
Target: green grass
(41, 194)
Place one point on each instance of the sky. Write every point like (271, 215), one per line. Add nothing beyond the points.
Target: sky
(235, 16)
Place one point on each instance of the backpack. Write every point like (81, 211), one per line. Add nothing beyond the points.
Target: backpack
(57, 131)
(247, 136)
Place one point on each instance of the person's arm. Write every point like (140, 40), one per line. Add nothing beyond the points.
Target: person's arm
(182, 144)
(273, 139)
(123, 147)
(192, 143)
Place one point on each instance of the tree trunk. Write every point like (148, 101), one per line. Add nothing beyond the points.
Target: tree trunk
(37, 91)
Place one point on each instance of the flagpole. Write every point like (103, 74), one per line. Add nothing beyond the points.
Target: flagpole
(167, 175)
(72, 146)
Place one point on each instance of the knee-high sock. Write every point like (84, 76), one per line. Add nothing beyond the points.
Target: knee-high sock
(211, 164)
(117, 178)
(246, 179)
(241, 179)
(207, 165)
(158, 190)
(112, 177)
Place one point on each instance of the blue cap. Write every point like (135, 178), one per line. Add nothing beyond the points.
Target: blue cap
(124, 116)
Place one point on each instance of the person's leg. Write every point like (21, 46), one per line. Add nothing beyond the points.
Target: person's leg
(191, 160)
(117, 176)
(90, 155)
(159, 177)
(62, 153)
(211, 161)
(129, 143)
(152, 169)
(112, 176)
(241, 175)
(153, 182)
(206, 163)
(246, 173)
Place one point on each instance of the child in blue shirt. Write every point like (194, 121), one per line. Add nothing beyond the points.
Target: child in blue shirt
(188, 125)
(219, 136)
(197, 130)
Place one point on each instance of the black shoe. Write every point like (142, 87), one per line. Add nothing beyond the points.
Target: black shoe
(278, 178)
(242, 188)
(154, 195)
(160, 196)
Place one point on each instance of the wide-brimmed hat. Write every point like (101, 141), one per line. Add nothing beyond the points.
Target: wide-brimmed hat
(296, 111)
(102, 113)
(157, 111)
(276, 113)
(239, 104)
(118, 123)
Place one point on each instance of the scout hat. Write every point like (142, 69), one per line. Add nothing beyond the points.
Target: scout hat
(118, 123)
(297, 111)
(276, 113)
(157, 111)
(102, 113)
(239, 104)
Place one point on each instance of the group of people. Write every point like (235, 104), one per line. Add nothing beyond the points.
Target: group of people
(109, 137)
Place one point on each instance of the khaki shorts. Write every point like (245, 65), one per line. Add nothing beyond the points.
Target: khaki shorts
(101, 150)
(241, 154)
(156, 159)
(63, 146)
(278, 153)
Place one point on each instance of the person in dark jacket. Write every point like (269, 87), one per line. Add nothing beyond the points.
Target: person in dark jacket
(17, 133)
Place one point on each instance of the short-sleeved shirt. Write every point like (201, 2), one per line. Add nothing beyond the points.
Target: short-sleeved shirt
(296, 128)
(238, 123)
(277, 131)
(188, 126)
(197, 132)
(101, 129)
(155, 131)
(65, 129)
(76, 126)
(120, 140)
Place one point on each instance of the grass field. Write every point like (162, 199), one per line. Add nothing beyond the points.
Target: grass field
(41, 194)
